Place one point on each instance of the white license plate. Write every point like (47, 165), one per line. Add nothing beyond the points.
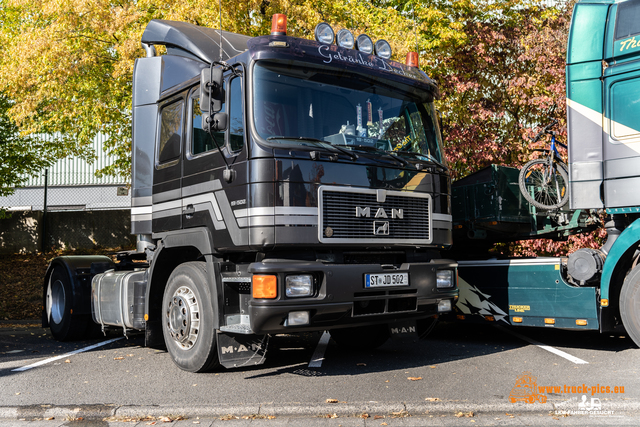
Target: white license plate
(386, 279)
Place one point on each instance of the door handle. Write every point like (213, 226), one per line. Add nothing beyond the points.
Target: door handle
(189, 211)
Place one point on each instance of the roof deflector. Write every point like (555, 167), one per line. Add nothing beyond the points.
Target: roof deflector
(202, 42)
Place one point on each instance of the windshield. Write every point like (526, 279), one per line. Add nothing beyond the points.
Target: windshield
(307, 105)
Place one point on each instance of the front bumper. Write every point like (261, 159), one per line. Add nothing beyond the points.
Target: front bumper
(340, 298)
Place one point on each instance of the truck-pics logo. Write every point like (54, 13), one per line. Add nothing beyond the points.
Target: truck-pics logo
(526, 390)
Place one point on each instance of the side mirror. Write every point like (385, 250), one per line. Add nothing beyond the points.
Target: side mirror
(219, 122)
(211, 91)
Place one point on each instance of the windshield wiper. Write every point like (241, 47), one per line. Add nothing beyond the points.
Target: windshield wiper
(379, 151)
(418, 156)
(320, 142)
(421, 157)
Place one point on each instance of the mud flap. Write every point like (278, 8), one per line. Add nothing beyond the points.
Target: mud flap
(404, 329)
(237, 350)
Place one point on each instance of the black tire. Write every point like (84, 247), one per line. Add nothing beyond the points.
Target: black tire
(188, 319)
(59, 305)
(630, 305)
(542, 191)
(362, 337)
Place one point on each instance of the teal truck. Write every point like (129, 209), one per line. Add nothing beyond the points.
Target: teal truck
(591, 289)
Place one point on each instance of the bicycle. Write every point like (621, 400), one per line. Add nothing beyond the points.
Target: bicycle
(544, 182)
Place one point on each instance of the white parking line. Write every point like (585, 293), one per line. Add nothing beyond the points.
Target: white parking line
(545, 347)
(318, 355)
(53, 359)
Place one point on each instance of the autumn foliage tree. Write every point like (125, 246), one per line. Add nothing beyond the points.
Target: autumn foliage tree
(499, 83)
(67, 66)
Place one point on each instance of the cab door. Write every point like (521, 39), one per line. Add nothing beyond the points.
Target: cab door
(207, 198)
(621, 81)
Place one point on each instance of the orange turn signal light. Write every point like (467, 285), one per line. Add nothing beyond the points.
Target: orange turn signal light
(549, 321)
(279, 24)
(604, 302)
(581, 322)
(265, 286)
(516, 319)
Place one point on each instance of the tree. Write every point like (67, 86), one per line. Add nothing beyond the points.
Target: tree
(20, 156)
(500, 82)
(68, 65)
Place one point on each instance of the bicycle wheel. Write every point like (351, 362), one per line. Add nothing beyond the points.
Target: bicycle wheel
(545, 187)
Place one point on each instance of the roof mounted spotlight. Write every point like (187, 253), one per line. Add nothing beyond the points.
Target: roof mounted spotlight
(412, 59)
(345, 39)
(279, 24)
(324, 33)
(382, 48)
(364, 44)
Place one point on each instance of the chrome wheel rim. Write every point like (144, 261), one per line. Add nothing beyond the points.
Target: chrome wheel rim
(55, 300)
(182, 318)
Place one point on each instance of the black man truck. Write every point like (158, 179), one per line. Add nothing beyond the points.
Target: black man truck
(591, 289)
(279, 185)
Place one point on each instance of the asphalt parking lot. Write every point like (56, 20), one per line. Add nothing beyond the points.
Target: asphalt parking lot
(462, 373)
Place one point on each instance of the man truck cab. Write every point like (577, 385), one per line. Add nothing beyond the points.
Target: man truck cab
(280, 185)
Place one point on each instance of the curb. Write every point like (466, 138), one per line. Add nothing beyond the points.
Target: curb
(71, 412)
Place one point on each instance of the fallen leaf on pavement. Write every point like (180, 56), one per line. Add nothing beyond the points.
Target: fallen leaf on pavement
(432, 399)
(118, 358)
(464, 414)
(332, 400)
(400, 414)
(414, 378)
(228, 417)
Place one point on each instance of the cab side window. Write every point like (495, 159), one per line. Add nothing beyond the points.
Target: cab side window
(201, 141)
(236, 119)
(170, 132)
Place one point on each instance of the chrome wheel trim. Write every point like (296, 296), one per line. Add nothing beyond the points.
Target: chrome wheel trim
(182, 317)
(55, 301)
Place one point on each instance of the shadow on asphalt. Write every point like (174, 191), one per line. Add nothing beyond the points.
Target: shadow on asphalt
(290, 354)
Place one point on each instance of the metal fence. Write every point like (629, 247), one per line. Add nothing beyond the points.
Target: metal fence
(68, 205)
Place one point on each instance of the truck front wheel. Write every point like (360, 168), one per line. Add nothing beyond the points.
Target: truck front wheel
(187, 318)
(362, 337)
(630, 304)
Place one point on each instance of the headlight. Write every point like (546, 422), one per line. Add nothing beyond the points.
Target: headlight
(324, 33)
(364, 44)
(383, 49)
(300, 285)
(444, 279)
(345, 39)
(444, 306)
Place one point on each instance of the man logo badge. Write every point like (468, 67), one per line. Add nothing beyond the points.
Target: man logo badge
(381, 228)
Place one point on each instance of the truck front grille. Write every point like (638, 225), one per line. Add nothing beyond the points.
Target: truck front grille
(354, 215)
